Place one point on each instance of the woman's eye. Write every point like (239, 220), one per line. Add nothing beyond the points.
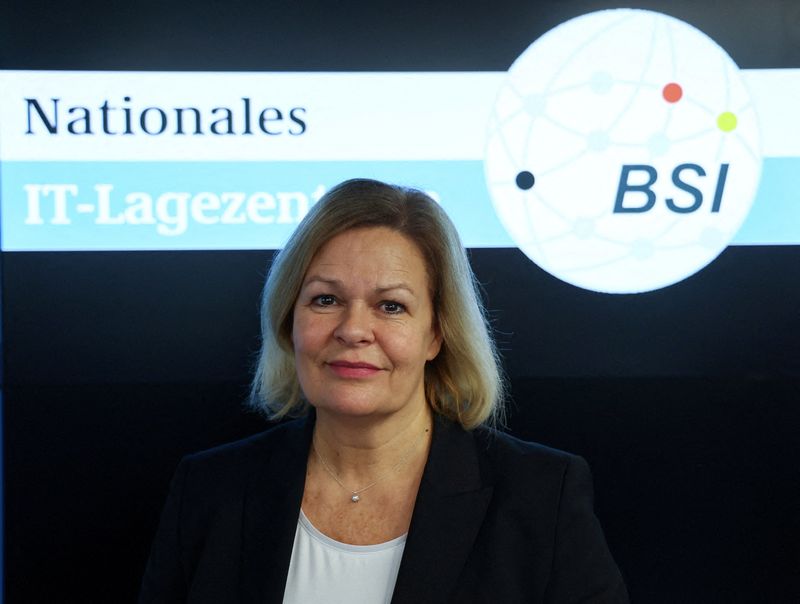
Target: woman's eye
(392, 308)
(324, 300)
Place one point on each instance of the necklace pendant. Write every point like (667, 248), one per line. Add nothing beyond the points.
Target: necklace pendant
(355, 498)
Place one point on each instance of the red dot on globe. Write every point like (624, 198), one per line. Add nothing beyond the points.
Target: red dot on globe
(672, 92)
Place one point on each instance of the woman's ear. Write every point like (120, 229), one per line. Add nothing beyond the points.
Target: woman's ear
(435, 345)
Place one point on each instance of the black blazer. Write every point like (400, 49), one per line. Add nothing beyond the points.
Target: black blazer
(496, 520)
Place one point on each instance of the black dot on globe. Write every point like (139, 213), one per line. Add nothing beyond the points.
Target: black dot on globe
(525, 180)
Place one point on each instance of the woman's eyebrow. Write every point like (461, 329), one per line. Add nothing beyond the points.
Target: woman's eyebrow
(319, 279)
(382, 289)
(392, 286)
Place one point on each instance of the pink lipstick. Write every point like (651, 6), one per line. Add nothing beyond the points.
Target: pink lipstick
(347, 369)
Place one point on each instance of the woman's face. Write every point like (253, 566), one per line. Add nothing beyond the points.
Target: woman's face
(363, 325)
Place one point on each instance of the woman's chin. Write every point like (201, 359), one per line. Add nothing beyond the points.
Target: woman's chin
(350, 408)
(359, 408)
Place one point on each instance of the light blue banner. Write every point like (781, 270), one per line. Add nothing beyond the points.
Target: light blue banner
(775, 216)
(63, 206)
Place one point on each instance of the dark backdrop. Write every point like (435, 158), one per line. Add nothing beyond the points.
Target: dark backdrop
(686, 401)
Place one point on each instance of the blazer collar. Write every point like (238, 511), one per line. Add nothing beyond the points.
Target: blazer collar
(271, 510)
(448, 513)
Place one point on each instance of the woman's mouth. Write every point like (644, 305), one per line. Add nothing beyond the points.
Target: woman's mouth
(348, 369)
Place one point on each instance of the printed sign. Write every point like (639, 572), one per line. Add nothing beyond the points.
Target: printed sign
(622, 152)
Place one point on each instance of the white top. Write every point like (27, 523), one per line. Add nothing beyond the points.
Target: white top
(325, 571)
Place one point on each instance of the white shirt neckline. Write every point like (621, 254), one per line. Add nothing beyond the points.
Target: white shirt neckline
(326, 541)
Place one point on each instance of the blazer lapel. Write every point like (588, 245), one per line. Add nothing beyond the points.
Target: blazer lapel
(273, 500)
(448, 513)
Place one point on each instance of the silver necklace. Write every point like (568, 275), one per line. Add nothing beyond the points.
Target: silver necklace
(355, 494)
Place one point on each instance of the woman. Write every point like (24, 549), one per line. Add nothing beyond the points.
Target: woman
(390, 487)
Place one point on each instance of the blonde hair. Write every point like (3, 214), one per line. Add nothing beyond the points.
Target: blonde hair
(464, 382)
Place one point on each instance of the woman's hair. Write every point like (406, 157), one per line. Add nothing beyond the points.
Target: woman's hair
(464, 382)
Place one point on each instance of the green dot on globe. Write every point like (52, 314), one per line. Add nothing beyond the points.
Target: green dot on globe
(726, 121)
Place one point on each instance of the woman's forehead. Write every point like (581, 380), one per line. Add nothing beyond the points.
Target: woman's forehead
(382, 257)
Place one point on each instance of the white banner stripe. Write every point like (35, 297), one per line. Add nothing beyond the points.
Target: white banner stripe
(340, 116)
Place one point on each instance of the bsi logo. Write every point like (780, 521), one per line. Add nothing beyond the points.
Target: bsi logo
(626, 187)
(623, 152)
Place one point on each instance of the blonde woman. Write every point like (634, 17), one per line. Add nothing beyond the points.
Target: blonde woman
(392, 484)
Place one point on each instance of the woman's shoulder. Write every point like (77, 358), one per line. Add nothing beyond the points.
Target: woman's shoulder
(502, 444)
(507, 457)
(274, 436)
(238, 460)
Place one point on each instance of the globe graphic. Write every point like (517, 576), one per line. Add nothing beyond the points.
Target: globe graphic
(623, 151)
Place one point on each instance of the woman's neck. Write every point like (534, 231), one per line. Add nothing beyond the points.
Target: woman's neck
(361, 449)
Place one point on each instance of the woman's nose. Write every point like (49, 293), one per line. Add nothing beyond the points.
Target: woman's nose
(355, 326)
